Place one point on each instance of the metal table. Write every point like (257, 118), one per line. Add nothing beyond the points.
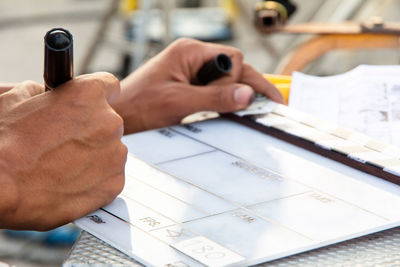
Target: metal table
(379, 249)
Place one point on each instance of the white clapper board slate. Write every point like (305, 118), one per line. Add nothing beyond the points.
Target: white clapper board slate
(217, 193)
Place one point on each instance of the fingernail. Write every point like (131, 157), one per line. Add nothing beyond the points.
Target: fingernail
(243, 95)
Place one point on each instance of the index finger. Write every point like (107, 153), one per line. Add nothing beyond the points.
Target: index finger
(104, 81)
(195, 54)
(254, 79)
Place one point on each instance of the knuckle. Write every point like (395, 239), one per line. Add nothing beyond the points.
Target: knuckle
(31, 87)
(219, 97)
(223, 99)
(112, 124)
(237, 53)
(108, 78)
(116, 186)
(105, 75)
(116, 121)
(91, 87)
(124, 152)
(184, 44)
(121, 155)
(30, 84)
(98, 84)
(248, 67)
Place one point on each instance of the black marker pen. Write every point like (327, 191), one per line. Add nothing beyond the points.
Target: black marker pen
(214, 69)
(58, 58)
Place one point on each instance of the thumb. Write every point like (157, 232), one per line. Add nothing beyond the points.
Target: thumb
(222, 97)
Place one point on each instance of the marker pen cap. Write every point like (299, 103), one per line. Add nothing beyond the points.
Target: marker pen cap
(58, 57)
(214, 69)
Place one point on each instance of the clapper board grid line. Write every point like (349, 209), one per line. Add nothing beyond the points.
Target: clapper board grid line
(237, 205)
(261, 167)
(388, 171)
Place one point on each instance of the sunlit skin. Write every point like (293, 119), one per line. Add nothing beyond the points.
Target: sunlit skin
(61, 150)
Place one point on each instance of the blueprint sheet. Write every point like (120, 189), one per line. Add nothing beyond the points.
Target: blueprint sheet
(365, 99)
(217, 193)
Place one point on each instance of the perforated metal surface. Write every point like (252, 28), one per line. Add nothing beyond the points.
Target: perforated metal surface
(379, 249)
(91, 251)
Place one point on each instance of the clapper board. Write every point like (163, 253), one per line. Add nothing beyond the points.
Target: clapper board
(248, 188)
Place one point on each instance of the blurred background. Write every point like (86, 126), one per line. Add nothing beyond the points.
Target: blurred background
(119, 35)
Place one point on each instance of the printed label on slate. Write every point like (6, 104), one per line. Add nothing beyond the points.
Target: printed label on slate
(207, 252)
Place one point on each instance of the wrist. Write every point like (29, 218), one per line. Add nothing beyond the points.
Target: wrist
(128, 108)
(132, 119)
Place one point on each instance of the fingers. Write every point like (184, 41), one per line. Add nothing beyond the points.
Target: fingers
(196, 53)
(101, 187)
(17, 94)
(27, 89)
(260, 84)
(101, 82)
(221, 98)
(4, 87)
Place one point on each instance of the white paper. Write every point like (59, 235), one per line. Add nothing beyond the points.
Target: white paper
(365, 99)
(220, 194)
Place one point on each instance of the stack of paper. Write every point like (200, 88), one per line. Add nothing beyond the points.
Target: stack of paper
(365, 99)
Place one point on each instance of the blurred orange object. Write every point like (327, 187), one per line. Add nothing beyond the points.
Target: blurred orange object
(282, 82)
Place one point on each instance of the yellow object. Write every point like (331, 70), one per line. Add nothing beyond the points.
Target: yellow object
(128, 6)
(230, 7)
(282, 82)
(276, 78)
